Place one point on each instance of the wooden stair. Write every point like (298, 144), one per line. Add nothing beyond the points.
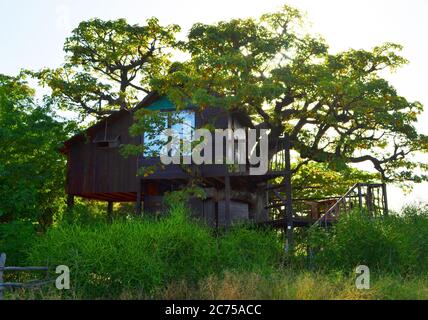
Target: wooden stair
(368, 197)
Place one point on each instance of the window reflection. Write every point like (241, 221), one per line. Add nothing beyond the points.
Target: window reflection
(182, 123)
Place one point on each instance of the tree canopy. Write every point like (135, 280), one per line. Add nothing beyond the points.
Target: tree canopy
(337, 108)
(32, 171)
(109, 65)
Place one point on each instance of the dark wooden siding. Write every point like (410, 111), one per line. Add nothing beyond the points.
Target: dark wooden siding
(93, 169)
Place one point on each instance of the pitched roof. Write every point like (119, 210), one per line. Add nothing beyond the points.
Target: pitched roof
(147, 101)
(153, 101)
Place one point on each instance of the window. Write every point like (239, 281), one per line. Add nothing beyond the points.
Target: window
(183, 124)
(153, 138)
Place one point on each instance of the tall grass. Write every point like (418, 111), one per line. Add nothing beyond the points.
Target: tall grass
(107, 259)
(179, 258)
(396, 244)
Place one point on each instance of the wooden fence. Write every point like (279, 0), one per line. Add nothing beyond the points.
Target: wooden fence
(14, 285)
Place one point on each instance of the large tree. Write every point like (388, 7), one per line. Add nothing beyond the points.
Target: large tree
(32, 170)
(336, 108)
(109, 65)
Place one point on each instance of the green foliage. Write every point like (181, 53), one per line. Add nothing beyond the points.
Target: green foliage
(336, 107)
(317, 180)
(109, 65)
(15, 239)
(177, 258)
(396, 244)
(31, 166)
(250, 250)
(145, 255)
(85, 212)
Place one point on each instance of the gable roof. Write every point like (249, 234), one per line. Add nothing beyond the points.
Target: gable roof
(153, 101)
(147, 101)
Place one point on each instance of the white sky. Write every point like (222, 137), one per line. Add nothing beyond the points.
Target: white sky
(32, 34)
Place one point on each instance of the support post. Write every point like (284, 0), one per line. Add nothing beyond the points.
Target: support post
(2, 265)
(216, 214)
(70, 202)
(138, 208)
(288, 194)
(227, 192)
(385, 200)
(360, 199)
(110, 210)
(70, 206)
(369, 200)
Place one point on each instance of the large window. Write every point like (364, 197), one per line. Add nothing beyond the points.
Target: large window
(181, 122)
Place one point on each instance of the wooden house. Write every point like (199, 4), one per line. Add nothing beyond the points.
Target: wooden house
(97, 170)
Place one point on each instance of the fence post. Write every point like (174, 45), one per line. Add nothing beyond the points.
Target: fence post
(2, 265)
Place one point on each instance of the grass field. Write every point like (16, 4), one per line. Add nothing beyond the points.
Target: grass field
(177, 258)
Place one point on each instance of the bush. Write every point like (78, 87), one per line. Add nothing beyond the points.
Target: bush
(395, 244)
(145, 255)
(250, 250)
(15, 239)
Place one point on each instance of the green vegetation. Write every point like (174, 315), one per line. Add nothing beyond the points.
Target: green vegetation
(145, 254)
(337, 108)
(31, 167)
(177, 258)
(395, 244)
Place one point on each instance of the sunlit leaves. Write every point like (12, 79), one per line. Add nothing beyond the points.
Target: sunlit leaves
(109, 65)
(338, 108)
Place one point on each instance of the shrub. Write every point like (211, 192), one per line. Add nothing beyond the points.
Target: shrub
(251, 250)
(105, 259)
(397, 244)
(144, 255)
(15, 239)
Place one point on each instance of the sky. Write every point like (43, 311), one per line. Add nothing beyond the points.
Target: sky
(32, 34)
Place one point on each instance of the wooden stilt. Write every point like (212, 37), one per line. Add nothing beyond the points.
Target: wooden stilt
(227, 192)
(385, 200)
(288, 194)
(369, 200)
(70, 202)
(138, 208)
(216, 214)
(360, 198)
(110, 210)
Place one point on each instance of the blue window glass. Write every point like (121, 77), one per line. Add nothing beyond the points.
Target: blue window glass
(182, 123)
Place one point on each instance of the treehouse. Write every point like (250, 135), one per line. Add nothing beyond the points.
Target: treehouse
(96, 170)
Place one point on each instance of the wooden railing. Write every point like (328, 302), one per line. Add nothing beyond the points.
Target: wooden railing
(370, 198)
(13, 285)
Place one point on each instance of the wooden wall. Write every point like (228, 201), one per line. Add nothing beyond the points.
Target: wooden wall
(92, 169)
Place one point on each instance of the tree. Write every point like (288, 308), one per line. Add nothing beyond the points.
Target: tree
(316, 180)
(31, 167)
(336, 108)
(109, 65)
